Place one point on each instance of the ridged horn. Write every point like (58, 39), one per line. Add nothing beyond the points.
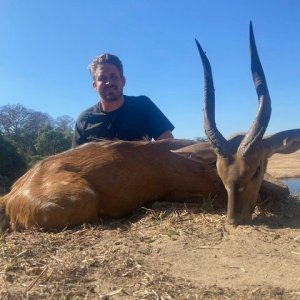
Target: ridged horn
(218, 142)
(263, 115)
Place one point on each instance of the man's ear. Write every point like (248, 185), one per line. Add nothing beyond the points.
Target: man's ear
(124, 80)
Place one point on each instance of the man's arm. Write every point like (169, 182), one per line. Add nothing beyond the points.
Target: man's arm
(78, 137)
(158, 124)
(166, 135)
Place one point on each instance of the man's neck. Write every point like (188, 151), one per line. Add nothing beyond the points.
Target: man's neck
(108, 106)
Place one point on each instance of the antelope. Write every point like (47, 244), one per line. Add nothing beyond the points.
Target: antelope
(241, 166)
(113, 178)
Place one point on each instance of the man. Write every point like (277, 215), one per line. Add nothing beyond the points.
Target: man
(117, 116)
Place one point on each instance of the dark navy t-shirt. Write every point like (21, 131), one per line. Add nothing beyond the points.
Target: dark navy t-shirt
(137, 119)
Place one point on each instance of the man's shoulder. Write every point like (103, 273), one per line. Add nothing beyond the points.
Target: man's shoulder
(88, 113)
(136, 98)
(137, 101)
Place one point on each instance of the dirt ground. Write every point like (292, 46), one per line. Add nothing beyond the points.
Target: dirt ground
(285, 166)
(164, 251)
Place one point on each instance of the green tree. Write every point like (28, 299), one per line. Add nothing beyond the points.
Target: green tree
(12, 164)
(35, 134)
(65, 123)
(51, 141)
(201, 139)
(21, 126)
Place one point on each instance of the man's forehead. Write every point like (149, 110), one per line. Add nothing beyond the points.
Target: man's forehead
(106, 67)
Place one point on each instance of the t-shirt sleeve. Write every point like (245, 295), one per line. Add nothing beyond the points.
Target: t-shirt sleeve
(157, 122)
(78, 137)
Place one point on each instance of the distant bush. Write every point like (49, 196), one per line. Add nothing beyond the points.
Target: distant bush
(12, 164)
(35, 159)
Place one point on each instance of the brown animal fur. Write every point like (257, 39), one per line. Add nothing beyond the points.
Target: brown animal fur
(110, 179)
(104, 179)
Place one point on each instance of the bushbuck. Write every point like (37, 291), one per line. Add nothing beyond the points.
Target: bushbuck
(113, 178)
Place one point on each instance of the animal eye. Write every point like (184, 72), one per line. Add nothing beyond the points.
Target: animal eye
(257, 172)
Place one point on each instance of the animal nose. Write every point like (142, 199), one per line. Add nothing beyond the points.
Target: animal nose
(238, 220)
(233, 221)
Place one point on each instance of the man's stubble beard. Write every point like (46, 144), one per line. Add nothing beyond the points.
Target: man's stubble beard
(112, 96)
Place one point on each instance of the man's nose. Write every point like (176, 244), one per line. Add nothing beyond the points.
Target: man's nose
(109, 81)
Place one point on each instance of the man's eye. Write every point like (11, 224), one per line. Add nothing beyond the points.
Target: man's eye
(101, 78)
(114, 77)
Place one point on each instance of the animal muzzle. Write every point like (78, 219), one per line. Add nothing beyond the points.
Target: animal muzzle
(239, 219)
(238, 211)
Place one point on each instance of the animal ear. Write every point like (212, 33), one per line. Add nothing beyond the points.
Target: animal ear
(201, 153)
(284, 142)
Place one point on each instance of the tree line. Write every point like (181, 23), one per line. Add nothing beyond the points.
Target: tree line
(27, 136)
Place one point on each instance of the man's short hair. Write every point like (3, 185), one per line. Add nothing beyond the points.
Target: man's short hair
(105, 58)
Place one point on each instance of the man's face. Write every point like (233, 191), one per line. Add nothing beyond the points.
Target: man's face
(108, 82)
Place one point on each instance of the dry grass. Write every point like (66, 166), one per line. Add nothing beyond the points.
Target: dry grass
(137, 258)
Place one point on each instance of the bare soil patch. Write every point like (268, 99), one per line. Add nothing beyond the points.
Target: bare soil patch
(285, 166)
(167, 251)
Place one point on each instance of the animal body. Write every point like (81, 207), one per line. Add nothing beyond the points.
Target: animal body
(112, 178)
(105, 179)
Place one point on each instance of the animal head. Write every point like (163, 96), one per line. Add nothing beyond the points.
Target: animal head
(241, 161)
(241, 166)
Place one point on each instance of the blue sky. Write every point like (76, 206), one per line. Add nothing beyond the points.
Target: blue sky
(45, 47)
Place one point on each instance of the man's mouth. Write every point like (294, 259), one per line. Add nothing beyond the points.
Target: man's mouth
(110, 88)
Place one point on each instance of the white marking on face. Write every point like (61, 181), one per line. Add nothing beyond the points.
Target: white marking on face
(241, 189)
